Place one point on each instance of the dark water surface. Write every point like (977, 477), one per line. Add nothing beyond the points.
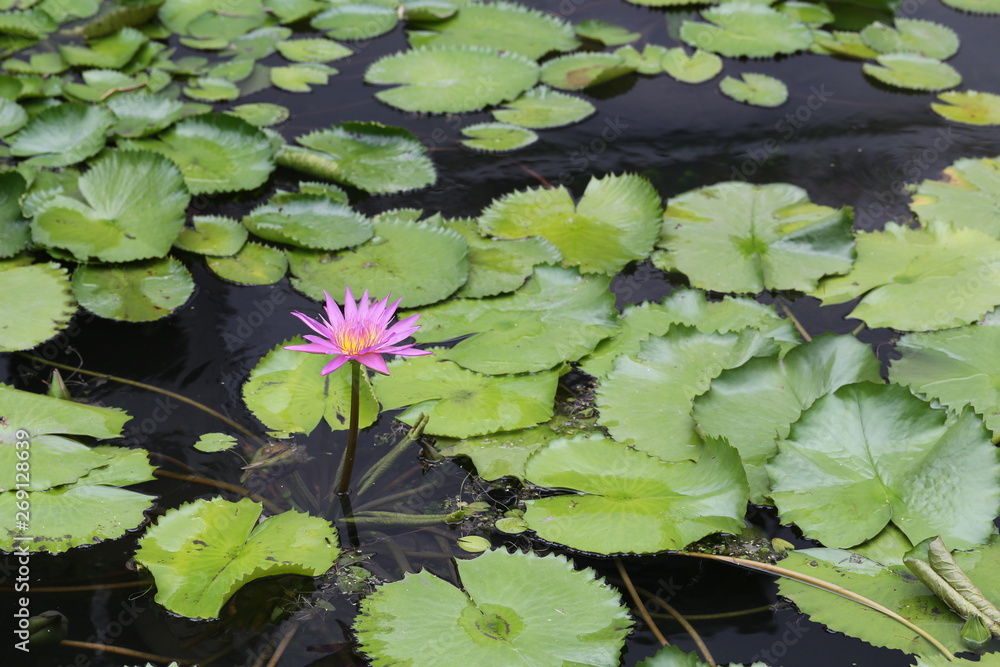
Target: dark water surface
(841, 137)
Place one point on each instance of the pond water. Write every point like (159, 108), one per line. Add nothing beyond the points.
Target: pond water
(844, 139)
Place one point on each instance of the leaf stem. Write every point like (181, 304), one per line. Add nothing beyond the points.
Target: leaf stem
(377, 470)
(798, 325)
(208, 481)
(639, 605)
(702, 648)
(352, 434)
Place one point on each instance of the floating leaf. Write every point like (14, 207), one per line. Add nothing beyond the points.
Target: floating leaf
(605, 33)
(257, 44)
(650, 61)
(131, 207)
(261, 114)
(624, 501)
(140, 114)
(924, 38)
(298, 78)
(211, 89)
(744, 29)
(204, 551)
(542, 108)
(396, 261)
(14, 230)
(221, 19)
(12, 117)
(309, 221)
(451, 79)
(753, 405)
(806, 12)
(254, 264)
(913, 72)
(356, 20)
(215, 442)
(975, 6)
(287, 394)
(757, 89)
(847, 44)
(313, 50)
(512, 611)
(582, 70)
(497, 137)
(62, 135)
(460, 403)
(44, 415)
(111, 52)
(616, 221)
(428, 10)
(215, 153)
(503, 26)
(919, 279)
(136, 292)
(25, 323)
(738, 237)
(698, 67)
(212, 235)
(970, 106)
(968, 195)
(119, 14)
(558, 316)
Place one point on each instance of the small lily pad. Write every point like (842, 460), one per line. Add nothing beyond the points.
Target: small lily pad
(542, 108)
(582, 70)
(212, 89)
(12, 117)
(139, 114)
(698, 67)
(212, 235)
(605, 33)
(975, 6)
(111, 52)
(254, 264)
(913, 72)
(215, 442)
(649, 61)
(309, 221)
(497, 137)
(918, 36)
(62, 135)
(969, 106)
(134, 292)
(356, 20)
(756, 89)
(313, 50)
(745, 29)
(300, 78)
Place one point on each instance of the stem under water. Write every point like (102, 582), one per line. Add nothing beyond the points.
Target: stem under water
(352, 434)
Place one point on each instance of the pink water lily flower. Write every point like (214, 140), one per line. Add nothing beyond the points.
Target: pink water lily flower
(360, 333)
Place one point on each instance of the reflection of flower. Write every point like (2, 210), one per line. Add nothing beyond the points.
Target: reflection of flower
(360, 333)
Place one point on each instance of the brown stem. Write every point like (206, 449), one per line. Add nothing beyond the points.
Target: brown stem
(639, 605)
(152, 657)
(207, 481)
(702, 648)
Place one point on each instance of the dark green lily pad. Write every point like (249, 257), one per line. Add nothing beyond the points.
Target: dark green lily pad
(135, 292)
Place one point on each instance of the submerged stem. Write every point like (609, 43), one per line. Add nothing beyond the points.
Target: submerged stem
(352, 434)
(639, 605)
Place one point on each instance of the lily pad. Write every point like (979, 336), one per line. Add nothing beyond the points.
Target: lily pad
(212, 89)
(131, 206)
(975, 6)
(969, 106)
(14, 230)
(738, 237)
(309, 221)
(315, 50)
(757, 89)
(542, 108)
(968, 195)
(25, 323)
(624, 501)
(582, 70)
(44, 415)
(135, 292)
(254, 264)
(451, 79)
(261, 114)
(62, 135)
(497, 137)
(512, 611)
(913, 72)
(615, 222)
(395, 260)
(739, 29)
(215, 442)
(212, 235)
(12, 117)
(221, 19)
(461, 403)
(919, 279)
(606, 33)
(287, 393)
(649, 61)
(698, 67)
(299, 78)
(356, 20)
(204, 551)
(918, 36)
(500, 25)
(111, 52)
(558, 316)
(215, 153)
(139, 114)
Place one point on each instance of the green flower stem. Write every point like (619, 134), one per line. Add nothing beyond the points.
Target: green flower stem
(385, 500)
(352, 434)
(377, 470)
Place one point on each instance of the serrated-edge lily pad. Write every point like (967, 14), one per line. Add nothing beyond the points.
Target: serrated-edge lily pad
(543, 108)
(254, 264)
(111, 52)
(497, 137)
(649, 61)
(261, 114)
(62, 135)
(967, 195)
(698, 67)
(140, 113)
(909, 35)
(975, 6)
(511, 611)
(135, 292)
(913, 72)
(969, 106)
(12, 117)
(745, 29)
(204, 551)
(15, 234)
(757, 89)
(356, 20)
(604, 32)
(582, 70)
(42, 415)
(25, 323)
(212, 235)
(309, 221)
(212, 89)
(451, 79)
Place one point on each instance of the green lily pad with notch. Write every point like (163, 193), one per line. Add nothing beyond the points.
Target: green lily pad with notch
(356, 20)
(309, 221)
(919, 279)
(261, 114)
(913, 72)
(756, 89)
(956, 367)
(698, 67)
(460, 403)
(967, 195)
(12, 117)
(25, 323)
(925, 38)
(755, 404)
(62, 135)
(215, 442)
(577, 71)
(744, 238)
(503, 26)
(497, 137)
(119, 14)
(222, 20)
(975, 6)
(615, 222)
(813, 15)
(211, 89)
(646, 401)
(512, 611)
(451, 79)
(286, 392)
(395, 260)
(139, 114)
(499, 266)
(649, 61)
(111, 52)
(43, 415)
(557, 316)
(689, 308)
(543, 108)
(215, 153)
(604, 32)
(253, 264)
(204, 551)
(969, 106)
(316, 50)
(738, 29)
(299, 78)
(620, 500)
(234, 70)
(888, 454)
(131, 206)
(213, 235)
(373, 157)
(134, 292)
(15, 232)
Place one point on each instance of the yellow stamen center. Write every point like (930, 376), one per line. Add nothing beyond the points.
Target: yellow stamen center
(356, 338)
